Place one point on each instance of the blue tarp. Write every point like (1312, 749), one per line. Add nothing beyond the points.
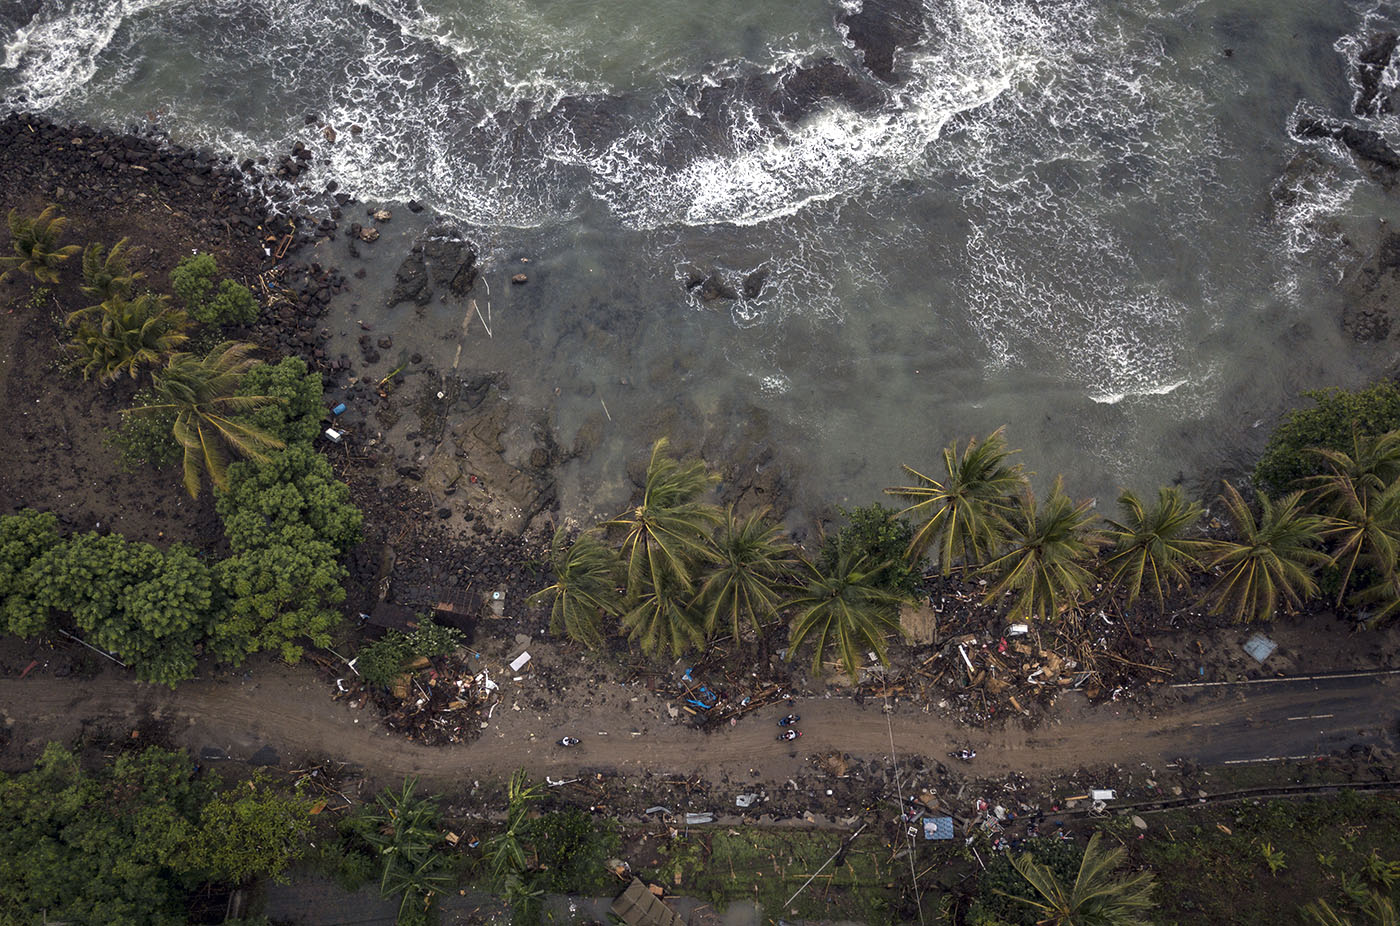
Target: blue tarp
(938, 827)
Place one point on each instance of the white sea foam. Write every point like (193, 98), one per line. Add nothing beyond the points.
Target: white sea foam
(56, 53)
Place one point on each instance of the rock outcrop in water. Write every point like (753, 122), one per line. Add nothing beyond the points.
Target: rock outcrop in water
(879, 29)
(1366, 144)
(1371, 63)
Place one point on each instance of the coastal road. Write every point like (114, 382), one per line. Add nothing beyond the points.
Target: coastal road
(287, 710)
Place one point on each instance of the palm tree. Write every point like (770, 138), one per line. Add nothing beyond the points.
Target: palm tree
(668, 533)
(1049, 543)
(203, 394)
(105, 273)
(1151, 548)
(663, 618)
(586, 574)
(1364, 523)
(845, 610)
(403, 831)
(1098, 897)
(1372, 466)
(744, 586)
(126, 335)
(966, 512)
(505, 851)
(1378, 909)
(35, 242)
(1271, 561)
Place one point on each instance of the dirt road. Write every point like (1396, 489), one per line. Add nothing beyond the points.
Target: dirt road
(288, 710)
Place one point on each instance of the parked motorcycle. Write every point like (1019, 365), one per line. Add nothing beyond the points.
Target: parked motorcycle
(788, 736)
(569, 741)
(789, 720)
(964, 754)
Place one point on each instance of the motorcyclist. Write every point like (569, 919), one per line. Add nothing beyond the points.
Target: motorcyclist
(965, 754)
(789, 720)
(789, 735)
(569, 741)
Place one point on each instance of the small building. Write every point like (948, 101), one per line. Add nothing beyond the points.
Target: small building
(638, 906)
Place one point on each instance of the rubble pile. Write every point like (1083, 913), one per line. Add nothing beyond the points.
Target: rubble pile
(981, 667)
(437, 700)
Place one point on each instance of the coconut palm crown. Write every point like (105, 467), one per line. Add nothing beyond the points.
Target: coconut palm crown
(1049, 546)
(203, 393)
(965, 513)
(1152, 546)
(1271, 563)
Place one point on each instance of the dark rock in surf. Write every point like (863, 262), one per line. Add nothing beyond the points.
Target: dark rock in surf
(1371, 63)
(1364, 143)
(753, 283)
(716, 287)
(880, 29)
(411, 282)
(805, 89)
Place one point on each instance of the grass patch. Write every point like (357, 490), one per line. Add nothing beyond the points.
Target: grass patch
(767, 866)
(1258, 862)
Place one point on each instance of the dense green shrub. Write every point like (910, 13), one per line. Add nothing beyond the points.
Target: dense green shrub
(572, 846)
(224, 303)
(298, 413)
(992, 906)
(146, 439)
(251, 832)
(130, 842)
(380, 662)
(1330, 424)
(288, 521)
(877, 533)
(147, 607)
(192, 280)
(24, 537)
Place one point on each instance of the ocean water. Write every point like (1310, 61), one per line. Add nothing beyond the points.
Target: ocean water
(1085, 221)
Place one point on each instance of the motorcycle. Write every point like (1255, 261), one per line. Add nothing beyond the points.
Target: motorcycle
(569, 741)
(964, 754)
(789, 720)
(788, 736)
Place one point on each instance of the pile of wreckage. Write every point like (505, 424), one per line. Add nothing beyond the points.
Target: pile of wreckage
(984, 666)
(434, 701)
(709, 706)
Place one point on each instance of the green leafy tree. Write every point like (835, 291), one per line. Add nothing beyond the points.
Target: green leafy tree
(210, 303)
(203, 394)
(1152, 546)
(124, 336)
(288, 522)
(573, 847)
(149, 608)
(881, 536)
(1098, 897)
(107, 847)
(192, 280)
(36, 245)
(965, 514)
(751, 565)
(145, 439)
(252, 832)
(1271, 560)
(295, 415)
(24, 537)
(667, 534)
(1332, 423)
(106, 275)
(586, 575)
(843, 612)
(1049, 544)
